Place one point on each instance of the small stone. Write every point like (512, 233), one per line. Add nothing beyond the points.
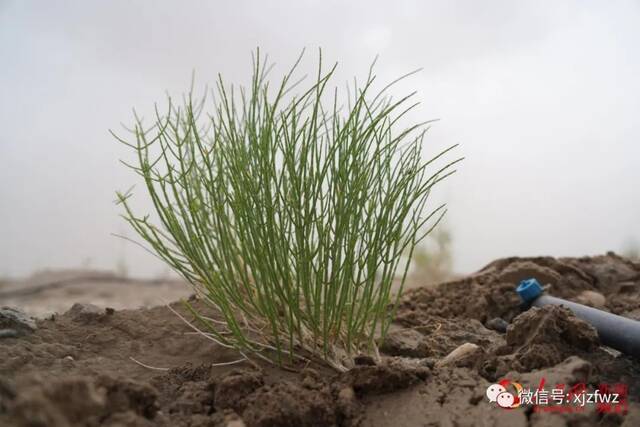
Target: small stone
(592, 299)
(497, 324)
(9, 333)
(612, 351)
(68, 361)
(15, 323)
(109, 311)
(347, 394)
(465, 354)
(85, 312)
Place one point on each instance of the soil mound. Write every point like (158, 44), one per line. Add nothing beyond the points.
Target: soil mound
(97, 367)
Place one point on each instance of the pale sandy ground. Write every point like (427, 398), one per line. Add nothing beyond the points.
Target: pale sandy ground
(49, 292)
(55, 291)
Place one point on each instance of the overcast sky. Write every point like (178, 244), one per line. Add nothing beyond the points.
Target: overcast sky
(544, 98)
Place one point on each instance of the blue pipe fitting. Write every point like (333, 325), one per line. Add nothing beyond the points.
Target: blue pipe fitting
(620, 333)
(529, 290)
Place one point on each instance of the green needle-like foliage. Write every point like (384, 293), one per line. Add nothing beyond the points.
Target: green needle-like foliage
(290, 215)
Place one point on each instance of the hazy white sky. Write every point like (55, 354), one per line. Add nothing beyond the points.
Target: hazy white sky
(543, 96)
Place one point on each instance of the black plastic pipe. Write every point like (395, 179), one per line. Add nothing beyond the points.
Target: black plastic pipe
(615, 331)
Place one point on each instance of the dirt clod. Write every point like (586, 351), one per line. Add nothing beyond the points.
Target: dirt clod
(65, 402)
(126, 395)
(348, 408)
(364, 360)
(405, 342)
(289, 404)
(572, 370)
(232, 390)
(366, 380)
(542, 337)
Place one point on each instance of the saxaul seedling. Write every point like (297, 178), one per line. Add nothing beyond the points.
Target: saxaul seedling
(290, 215)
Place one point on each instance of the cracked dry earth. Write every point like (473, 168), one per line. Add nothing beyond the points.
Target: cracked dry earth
(448, 344)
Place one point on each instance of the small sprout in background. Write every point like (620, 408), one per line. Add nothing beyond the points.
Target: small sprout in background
(632, 250)
(287, 213)
(433, 259)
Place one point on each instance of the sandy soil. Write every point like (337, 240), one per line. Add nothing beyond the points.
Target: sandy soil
(78, 368)
(48, 292)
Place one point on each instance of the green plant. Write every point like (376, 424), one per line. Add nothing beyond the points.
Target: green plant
(288, 218)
